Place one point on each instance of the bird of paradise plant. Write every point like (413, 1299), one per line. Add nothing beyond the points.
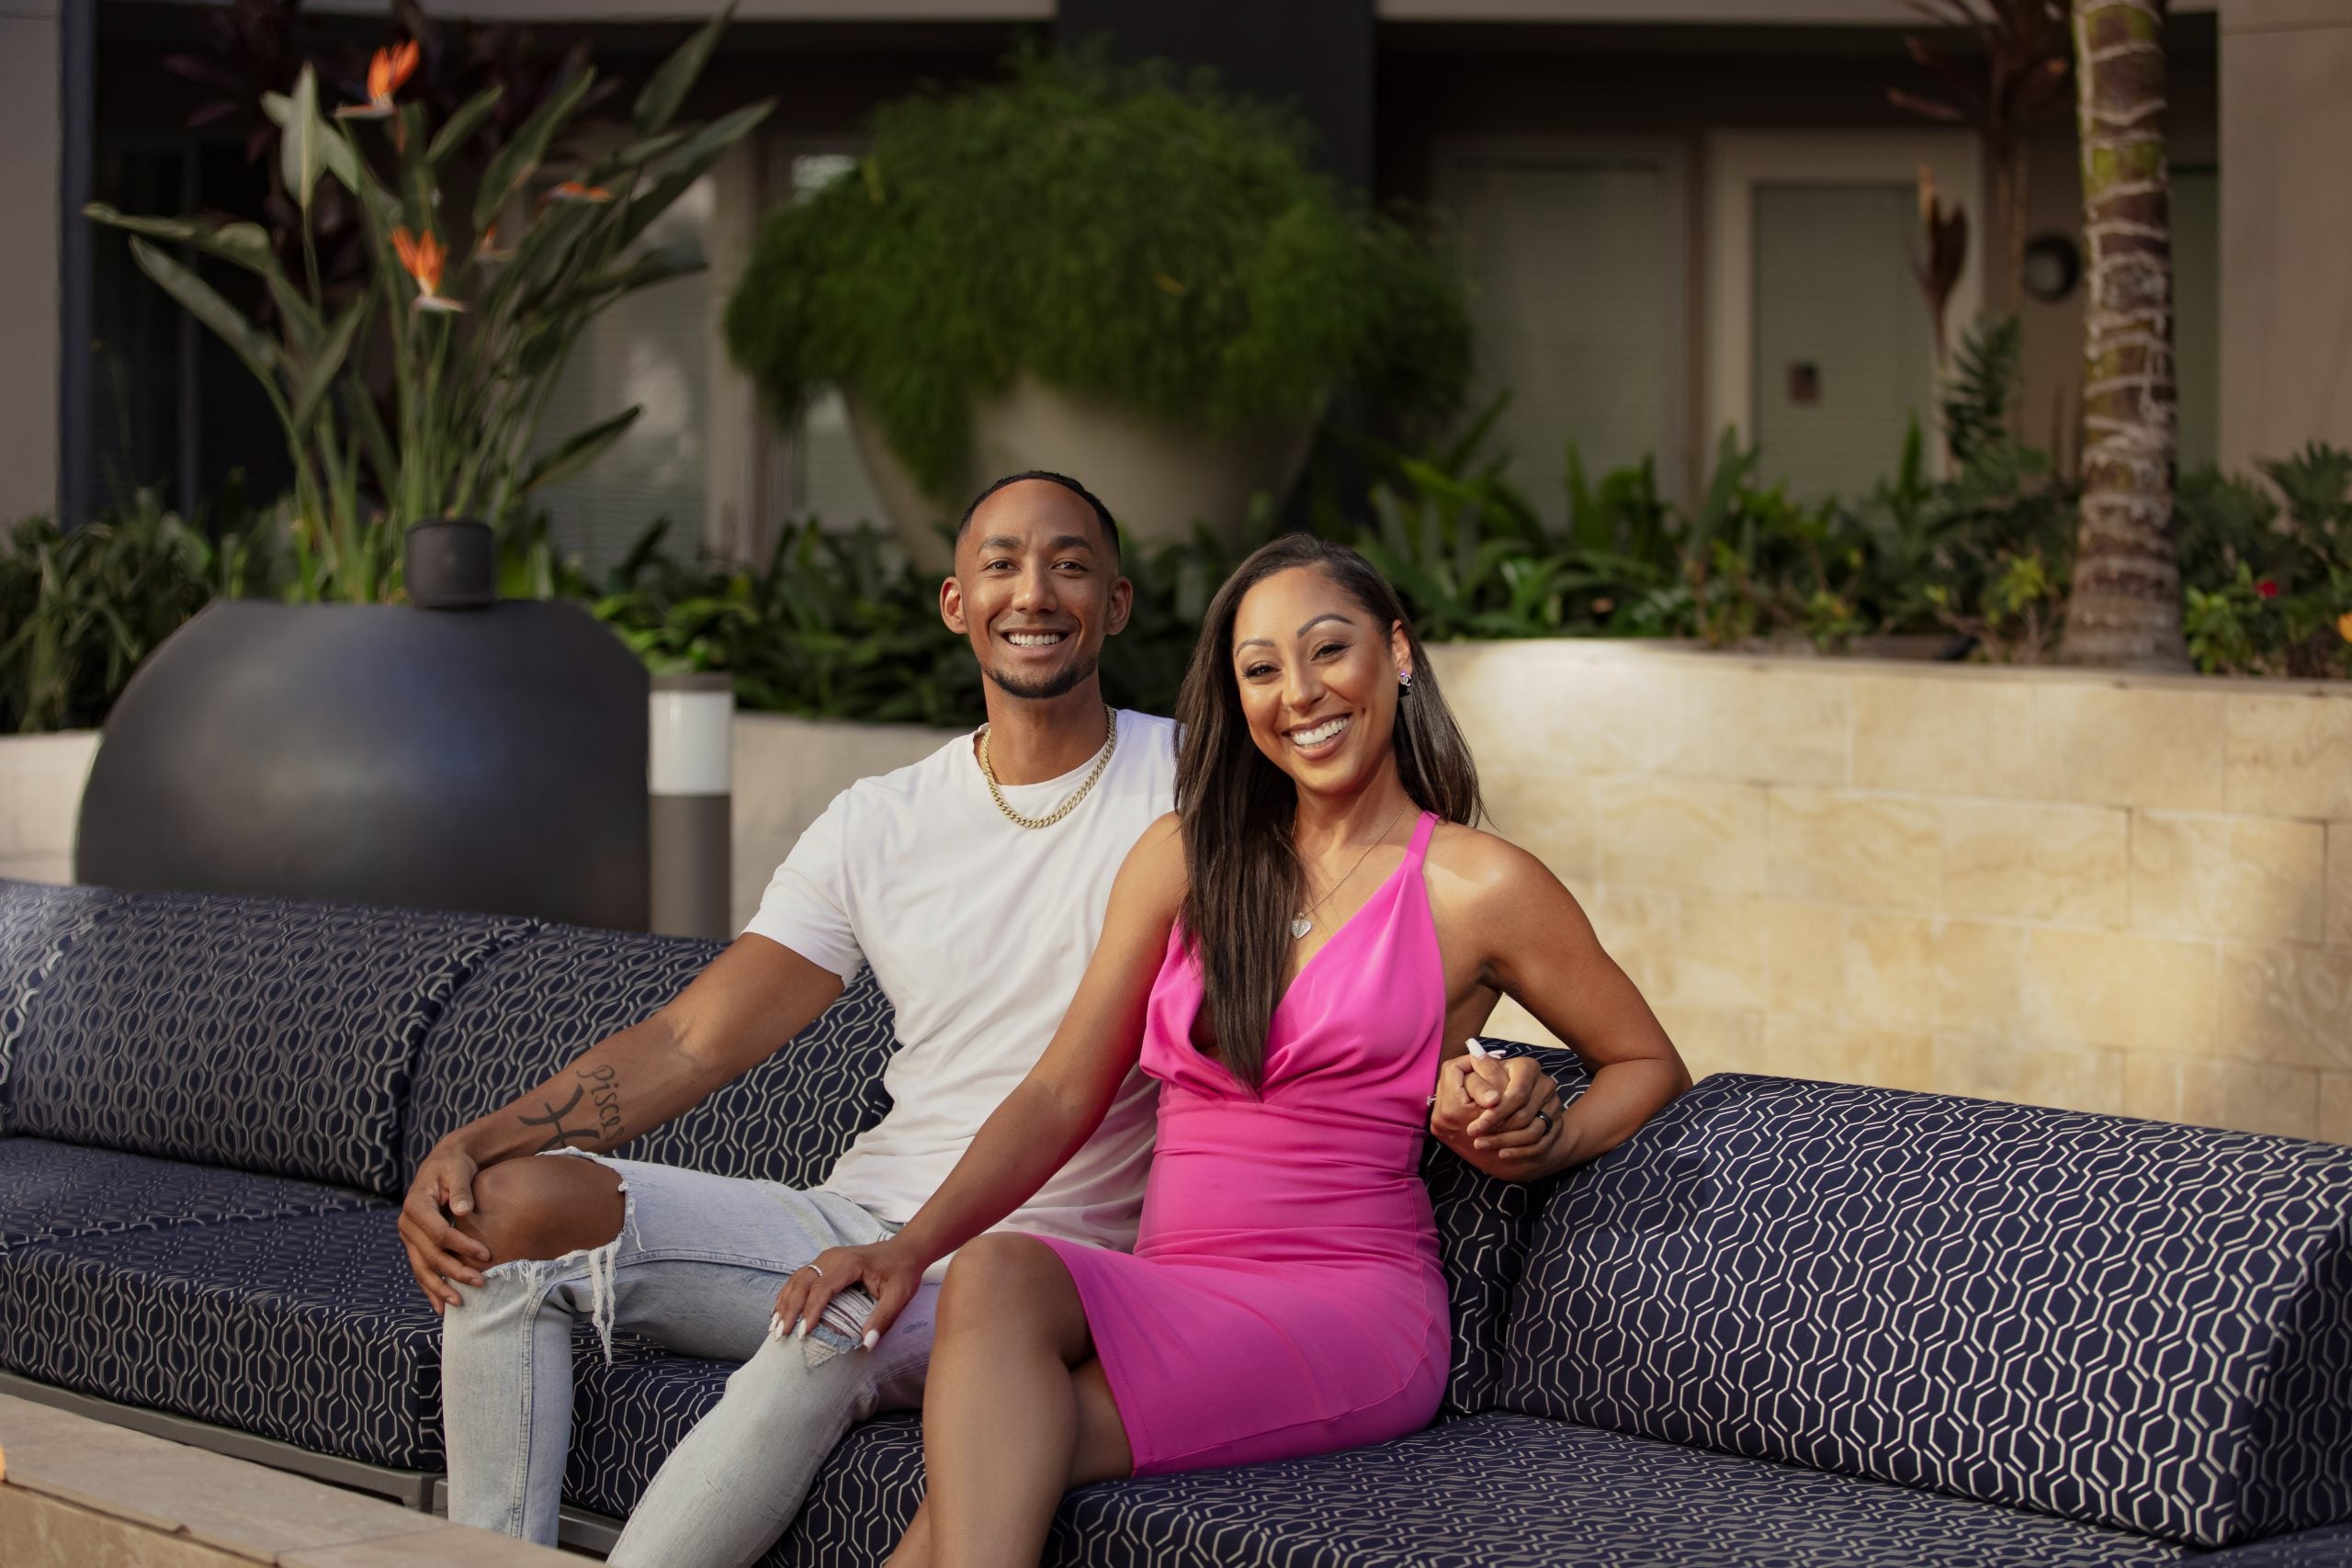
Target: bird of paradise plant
(387, 72)
(473, 325)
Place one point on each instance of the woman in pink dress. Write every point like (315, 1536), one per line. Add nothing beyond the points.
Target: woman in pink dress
(1299, 955)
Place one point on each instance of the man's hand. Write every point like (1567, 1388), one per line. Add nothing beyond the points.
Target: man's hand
(1501, 1113)
(437, 1249)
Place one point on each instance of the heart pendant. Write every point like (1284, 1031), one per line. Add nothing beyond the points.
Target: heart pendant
(1299, 926)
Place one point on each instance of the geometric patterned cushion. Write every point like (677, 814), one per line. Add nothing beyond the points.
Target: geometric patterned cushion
(625, 1417)
(50, 1191)
(541, 1002)
(308, 1329)
(861, 1498)
(2130, 1323)
(36, 921)
(262, 1033)
(2329, 1548)
(1482, 1241)
(1497, 1491)
(534, 1007)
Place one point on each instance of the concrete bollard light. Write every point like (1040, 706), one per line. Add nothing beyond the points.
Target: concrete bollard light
(690, 764)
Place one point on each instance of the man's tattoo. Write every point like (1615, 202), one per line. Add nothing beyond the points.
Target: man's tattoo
(605, 1086)
(559, 1135)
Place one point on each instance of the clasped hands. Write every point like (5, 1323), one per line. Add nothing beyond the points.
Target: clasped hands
(1501, 1113)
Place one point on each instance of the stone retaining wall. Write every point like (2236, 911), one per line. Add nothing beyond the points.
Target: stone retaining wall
(2121, 894)
(40, 799)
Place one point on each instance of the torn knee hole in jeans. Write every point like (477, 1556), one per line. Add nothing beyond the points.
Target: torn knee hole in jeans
(599, 1260)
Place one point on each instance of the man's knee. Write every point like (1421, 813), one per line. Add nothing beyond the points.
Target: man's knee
(544, 1208)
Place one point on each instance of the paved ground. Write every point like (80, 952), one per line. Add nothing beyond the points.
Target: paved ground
(76, 1492)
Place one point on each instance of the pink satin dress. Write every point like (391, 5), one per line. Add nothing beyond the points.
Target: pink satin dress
(1285, 1297)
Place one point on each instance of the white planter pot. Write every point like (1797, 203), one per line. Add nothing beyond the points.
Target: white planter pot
(1158, 480)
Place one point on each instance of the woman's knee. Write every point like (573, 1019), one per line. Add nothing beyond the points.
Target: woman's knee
(544, 1208)
(1000, 1283)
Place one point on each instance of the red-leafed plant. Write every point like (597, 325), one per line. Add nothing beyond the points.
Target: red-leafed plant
(2012, 81)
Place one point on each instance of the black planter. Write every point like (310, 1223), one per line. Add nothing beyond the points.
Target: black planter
(451, 564)
(492, 761)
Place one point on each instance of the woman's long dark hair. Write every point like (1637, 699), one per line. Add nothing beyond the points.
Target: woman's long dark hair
(1237, 808)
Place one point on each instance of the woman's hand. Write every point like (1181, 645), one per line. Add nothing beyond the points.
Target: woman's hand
(891, 1270)
(1501, 1113)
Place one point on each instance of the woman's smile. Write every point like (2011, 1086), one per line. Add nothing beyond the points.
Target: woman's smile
(1317, 740)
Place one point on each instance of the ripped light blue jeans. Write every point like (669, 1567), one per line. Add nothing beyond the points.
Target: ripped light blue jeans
(695, 1268)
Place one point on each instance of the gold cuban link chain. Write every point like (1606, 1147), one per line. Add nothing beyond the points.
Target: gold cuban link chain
(1101, 761)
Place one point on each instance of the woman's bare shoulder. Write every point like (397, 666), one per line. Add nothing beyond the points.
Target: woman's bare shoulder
(1473, 861)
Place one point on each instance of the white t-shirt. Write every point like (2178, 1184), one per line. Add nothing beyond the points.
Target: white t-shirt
(978, 931)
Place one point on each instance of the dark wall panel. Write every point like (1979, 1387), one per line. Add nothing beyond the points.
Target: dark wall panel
(1316, 55)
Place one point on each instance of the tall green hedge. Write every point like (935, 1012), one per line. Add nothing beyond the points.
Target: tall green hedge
(1119, 232)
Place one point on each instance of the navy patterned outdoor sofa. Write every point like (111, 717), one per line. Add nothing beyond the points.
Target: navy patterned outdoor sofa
(1789, 1323)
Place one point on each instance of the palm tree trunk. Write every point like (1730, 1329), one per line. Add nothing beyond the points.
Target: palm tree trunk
(2125, 607)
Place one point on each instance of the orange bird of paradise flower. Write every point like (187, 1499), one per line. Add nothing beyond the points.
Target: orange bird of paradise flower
(387, 70)
(2344, 625)
(572, 190)
(423, 258)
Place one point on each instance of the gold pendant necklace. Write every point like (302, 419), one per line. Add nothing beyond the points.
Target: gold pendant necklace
(1101, 761)
(1303, 921)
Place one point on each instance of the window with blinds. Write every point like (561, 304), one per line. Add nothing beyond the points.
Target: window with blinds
(1575, 266)
(1844, 348)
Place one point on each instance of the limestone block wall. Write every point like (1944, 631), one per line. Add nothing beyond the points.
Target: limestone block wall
(787, 770)
(2117, 894)
(40, 801)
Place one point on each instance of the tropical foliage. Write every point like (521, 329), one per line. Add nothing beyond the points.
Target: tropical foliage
(839, 626)
(422, 395)
(80, 609)
(1118, 231)
(2270, 586)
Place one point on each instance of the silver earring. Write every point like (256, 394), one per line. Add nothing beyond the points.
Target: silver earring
(1404, 681)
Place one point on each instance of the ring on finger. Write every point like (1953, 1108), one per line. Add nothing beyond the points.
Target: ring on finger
(1546, 1119)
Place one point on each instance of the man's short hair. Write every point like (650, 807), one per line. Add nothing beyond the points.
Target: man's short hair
(1101, 513)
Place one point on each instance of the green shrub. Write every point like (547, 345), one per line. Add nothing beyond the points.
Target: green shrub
(2269, 587)
(838, 626)
(80, 609)
(1118, 232)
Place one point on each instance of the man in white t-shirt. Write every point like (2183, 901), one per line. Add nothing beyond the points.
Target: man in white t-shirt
(973, 884)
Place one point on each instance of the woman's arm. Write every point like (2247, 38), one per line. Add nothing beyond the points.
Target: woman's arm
(1047, 1117)
(1534, 945)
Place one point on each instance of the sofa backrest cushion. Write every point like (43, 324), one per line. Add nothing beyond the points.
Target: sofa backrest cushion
(266, 1034)
(2130, 1323)
(1482, 1241)
(37, 921)
(541, 1002)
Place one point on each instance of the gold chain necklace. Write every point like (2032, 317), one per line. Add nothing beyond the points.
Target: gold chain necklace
(1101, 761)
(1303, 921)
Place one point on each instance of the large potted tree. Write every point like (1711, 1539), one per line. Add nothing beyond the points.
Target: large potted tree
(1111, 270)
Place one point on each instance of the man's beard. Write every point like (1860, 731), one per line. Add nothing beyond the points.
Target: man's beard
(1050, 687)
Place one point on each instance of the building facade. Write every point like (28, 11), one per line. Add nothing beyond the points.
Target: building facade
(1677, 217)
